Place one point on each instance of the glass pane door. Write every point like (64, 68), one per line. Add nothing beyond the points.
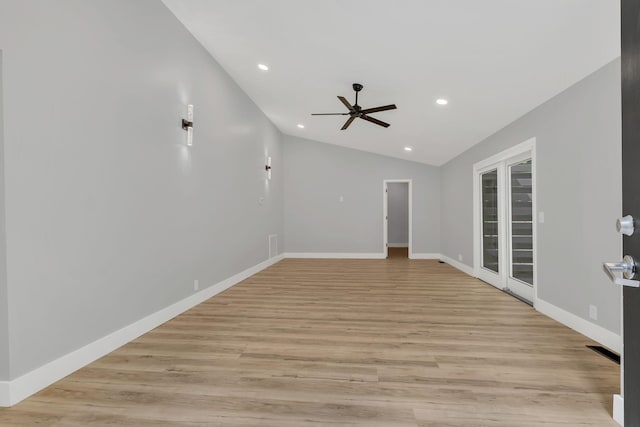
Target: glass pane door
(503, 222)
(490, 226)
(521, 221)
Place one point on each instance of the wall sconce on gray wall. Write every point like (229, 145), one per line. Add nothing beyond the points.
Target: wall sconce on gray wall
(268, 167)
(187, 124)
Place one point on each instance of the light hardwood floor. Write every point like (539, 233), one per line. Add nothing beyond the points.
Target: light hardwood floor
(392, 342)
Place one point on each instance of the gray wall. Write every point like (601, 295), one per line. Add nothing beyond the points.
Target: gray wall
(4, 305)
(110, 217)
(578, 138)
(398, 212)
(317, 174)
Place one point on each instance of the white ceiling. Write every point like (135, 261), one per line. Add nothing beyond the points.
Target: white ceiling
(494, 60)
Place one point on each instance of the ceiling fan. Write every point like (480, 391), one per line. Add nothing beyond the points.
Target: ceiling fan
(356, 111)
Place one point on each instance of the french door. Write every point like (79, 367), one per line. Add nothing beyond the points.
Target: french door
(491, 232)
(505, 222)
(520, 226)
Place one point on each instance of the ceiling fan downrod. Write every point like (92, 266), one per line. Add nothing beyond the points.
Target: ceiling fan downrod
(357, 87)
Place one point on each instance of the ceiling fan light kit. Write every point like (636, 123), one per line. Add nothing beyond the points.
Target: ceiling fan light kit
(356, 111)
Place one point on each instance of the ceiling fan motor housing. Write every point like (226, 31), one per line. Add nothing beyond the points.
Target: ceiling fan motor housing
(357, 87)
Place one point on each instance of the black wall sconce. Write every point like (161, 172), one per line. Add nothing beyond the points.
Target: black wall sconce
(268, 167)
(187, 124)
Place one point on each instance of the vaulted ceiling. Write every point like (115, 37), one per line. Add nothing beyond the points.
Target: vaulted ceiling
(493, 60)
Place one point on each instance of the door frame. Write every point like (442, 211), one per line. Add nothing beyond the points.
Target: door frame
(484, 166)
(385, 213)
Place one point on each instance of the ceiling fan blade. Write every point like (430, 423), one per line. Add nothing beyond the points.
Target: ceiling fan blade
(376, 109)
(329, 114)
(346, 103)
(376, 121)
(348, 122)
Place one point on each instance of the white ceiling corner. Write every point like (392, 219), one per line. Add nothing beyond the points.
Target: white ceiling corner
(494, 60)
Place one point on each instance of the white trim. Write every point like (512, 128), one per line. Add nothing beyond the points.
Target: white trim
(398, 245)
(334, 255)
(424, 256)
(385, 219)
(457, 264)
(591, 330)
(5, 393)
(527, 145)
(618, 409)
(385, 213)
(355, 255)
(12, 392)
(622, 362)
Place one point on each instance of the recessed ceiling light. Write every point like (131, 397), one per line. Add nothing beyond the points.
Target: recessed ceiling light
(408, 149)
(263, 67)
(441, 101)
(300, 125)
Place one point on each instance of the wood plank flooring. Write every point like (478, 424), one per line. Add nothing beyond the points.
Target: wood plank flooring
(392, 342)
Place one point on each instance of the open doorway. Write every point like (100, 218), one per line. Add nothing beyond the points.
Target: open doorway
(397, 218)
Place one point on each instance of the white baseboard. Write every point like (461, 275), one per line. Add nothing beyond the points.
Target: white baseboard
(596, 333)
(354, 255)
(334, 255)
(398, 245)
(5, 395)
(12, 392)
(457, 264)
(618, 409)
(424, 256)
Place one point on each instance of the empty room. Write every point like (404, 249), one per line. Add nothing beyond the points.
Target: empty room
(319, 213)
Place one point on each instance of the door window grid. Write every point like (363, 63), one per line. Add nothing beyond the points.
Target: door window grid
(521, 195)
(490, 230)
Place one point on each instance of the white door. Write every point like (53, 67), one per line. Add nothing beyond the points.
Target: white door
(519, 195)
(504, 225)
(490, 228)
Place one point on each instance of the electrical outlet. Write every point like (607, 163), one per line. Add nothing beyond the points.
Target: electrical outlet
(541, 217)
(196, 285)
(460, 257)
(593, 312)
